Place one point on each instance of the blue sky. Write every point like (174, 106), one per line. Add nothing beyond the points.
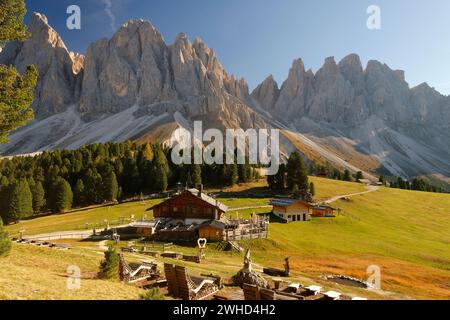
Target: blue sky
(255, 38)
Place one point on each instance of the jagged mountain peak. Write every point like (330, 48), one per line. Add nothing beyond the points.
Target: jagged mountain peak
(46, 50)
(351, 61)
(41, 31)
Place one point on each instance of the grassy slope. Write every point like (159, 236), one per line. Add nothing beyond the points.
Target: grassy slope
(34, 273)
(406, 233)
(77, 219)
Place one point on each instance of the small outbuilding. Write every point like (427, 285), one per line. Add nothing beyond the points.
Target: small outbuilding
(323, 210)
(213, 230)
(291, 210)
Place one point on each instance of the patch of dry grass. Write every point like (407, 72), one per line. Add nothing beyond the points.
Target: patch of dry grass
(36, 273)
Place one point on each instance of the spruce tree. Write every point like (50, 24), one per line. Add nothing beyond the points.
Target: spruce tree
(79, 196)
(147, 153)
(297, 174)
(296, 194)
(109, 267)
(161, 181)
(312, 189)
(359, 175)
(12, 27)
(93, 185)
(347, 176)
(16, 91)
(111, 187)
(20, 202)
(37, 190)
(4, 197)
(5, 243)
(62, 198)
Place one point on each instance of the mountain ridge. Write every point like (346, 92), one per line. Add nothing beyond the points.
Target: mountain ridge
(341, 114)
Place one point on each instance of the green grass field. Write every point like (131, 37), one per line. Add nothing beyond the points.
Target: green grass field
(405, 233)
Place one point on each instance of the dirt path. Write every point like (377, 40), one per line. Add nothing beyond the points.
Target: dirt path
(369, 190)
(73, 234)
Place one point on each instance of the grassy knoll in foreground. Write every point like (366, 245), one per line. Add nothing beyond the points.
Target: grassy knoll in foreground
(30, 272)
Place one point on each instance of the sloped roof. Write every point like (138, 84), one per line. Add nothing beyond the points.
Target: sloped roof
(210, 200)
(286, 202)
(323, 207)
(219, 205)
(214, 223)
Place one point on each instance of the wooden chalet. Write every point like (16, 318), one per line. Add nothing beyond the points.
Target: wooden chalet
(186, 216)
(191, 206)
(291, 210)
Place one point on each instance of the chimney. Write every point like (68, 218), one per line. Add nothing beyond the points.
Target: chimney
(200, 190)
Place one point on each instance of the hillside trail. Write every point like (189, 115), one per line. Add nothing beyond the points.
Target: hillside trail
(70, 234)
(336, 198)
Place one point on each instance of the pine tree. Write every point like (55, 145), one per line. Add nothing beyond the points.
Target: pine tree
(79, 196)
(12, 13)
(16, 91)
(312, 189)
(296, 192)
(93, 185)
(147, 153)
(242, 172)
(297, 174)
(359, 175)
(278, 180)
(4, 197)
(162, 170)
(37, 190)
(161, 181)
(111, 187)
(230, 174)
(62, 198)
(109, 267)
(5, 243)
(347, 176)
(20, 202)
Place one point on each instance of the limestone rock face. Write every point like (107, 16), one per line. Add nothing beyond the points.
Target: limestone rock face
(130, 68)
(347, 94)
(137, 67)
(46, 50)
(296, 92)
(267, 93)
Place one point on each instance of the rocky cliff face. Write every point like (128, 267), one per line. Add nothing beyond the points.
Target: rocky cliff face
(137, 67)
(135, 86)
(46, 50)
(346, 94)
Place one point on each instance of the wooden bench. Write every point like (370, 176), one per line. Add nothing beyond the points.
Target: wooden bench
(181, 285)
